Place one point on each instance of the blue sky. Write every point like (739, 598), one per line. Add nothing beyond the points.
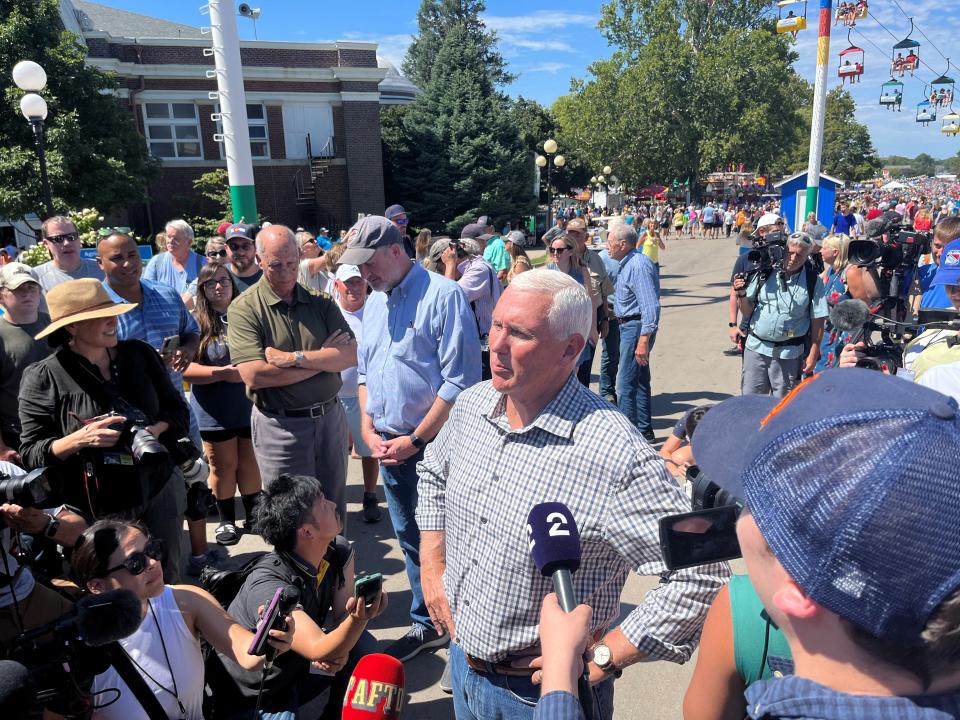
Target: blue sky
(547, 42)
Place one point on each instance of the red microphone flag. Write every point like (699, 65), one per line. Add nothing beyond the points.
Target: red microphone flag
(375, 690)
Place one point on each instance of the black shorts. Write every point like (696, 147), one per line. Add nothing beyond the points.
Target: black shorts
(218, 436)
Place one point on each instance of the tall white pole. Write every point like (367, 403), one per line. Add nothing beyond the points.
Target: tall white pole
(233, 110)
(819, 109)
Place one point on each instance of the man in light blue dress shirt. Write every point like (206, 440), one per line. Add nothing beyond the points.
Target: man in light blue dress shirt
(420, 349)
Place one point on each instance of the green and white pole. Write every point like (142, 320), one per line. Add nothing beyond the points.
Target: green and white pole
(233, 110)
(819, 110)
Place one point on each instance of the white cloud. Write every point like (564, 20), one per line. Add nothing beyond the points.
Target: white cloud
(541, 31)
(547, 67)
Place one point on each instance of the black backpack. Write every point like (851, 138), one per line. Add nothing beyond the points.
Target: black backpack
(224, 585)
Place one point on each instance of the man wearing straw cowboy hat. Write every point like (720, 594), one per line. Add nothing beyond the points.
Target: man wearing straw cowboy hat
(105, 466)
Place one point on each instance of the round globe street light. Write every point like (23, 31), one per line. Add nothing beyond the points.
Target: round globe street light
(550, 148)
(29, 76)
(607, 170)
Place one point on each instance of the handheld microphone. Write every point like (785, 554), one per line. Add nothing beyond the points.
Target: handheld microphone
(850, 316)
(555, 546)
(17, 691)
(375, 689)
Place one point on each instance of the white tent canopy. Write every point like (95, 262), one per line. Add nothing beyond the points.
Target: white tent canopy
(893, 185)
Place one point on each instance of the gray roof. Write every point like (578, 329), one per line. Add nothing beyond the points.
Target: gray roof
(121, 23)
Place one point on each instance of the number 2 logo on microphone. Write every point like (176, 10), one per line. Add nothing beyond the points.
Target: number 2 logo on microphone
(558, 527)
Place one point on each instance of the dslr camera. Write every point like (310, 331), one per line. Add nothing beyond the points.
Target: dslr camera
(29, 491)
(134, 435)
(706, 535)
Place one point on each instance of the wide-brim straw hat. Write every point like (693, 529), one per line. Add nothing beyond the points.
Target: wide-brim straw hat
(79, 300)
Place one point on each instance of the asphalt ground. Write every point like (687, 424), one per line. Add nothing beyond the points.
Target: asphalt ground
(688, 369)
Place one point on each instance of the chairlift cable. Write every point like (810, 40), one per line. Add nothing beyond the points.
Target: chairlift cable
(917, 27)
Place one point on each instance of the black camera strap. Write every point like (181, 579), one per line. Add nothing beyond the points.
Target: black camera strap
(135, 681)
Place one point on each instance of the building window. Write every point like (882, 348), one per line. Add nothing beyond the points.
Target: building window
(173, 130)
(257, 126)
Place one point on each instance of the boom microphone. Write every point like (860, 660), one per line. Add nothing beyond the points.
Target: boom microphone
(95, 619)
(850, 315)
(375, 690)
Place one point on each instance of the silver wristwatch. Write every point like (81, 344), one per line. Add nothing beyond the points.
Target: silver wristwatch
(298, 358)
(603, 659)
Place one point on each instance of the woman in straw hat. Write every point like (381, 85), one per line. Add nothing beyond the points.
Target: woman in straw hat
(104, 466)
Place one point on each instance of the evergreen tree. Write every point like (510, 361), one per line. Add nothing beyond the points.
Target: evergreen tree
(95, 156)
(455, 152)
(435, 19)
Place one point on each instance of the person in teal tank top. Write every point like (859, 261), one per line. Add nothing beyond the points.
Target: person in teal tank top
(739, 646)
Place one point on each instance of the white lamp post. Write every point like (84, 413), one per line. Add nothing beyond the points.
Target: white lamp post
(29, 76)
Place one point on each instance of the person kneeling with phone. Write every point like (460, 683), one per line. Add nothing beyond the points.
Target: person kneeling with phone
(308, 553)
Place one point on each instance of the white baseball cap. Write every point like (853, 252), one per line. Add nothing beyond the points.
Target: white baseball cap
(345, 272)
(767, 219)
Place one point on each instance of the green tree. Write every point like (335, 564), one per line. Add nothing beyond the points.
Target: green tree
(435, 19)
(95, 156)
(460, 154)
(923, 164)
(848, 151)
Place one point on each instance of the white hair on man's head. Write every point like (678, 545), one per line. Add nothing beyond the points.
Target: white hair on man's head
(571, 312)
(272, 230)
(181, 226)
(622, 231)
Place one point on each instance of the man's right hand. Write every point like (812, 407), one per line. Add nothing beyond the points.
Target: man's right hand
(8, 454)
(735, 334)
(435, 598)
(851, 355)
(739, 283)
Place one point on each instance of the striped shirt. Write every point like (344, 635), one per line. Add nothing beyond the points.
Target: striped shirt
(480, 478)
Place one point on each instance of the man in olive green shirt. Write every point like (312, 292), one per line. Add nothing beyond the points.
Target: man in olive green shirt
(289, 346)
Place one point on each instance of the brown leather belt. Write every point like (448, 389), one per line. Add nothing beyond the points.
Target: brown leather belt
(486, 667)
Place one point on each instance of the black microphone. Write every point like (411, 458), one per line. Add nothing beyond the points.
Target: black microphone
(555, 546)
(16, 690)
(850, 316)
(95, 619)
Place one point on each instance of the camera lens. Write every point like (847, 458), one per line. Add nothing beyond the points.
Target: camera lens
(145, 448)
(32, 490)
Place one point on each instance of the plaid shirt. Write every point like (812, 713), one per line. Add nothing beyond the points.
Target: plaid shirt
(799, 699)
(480, 478)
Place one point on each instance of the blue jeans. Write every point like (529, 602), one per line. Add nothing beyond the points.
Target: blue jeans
(400, 487)
(610, 360)
(633, 379)
(497, 697)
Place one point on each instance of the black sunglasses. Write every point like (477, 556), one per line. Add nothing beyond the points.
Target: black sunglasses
(217, 253)
(65, 237)
(213, 282)
(137, 563)
(558, 251)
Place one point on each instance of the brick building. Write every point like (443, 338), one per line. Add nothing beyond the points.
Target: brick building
(313, 112)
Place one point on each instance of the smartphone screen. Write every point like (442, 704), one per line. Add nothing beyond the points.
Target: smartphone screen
(700, 537)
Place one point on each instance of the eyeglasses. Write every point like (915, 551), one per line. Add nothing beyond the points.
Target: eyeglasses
(108, 231)
(217, 253)
(210, 284)
(137, 563)
(65, 237)
(311, 241)
(558, 251)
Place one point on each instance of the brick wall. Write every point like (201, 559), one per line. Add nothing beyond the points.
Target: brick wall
(278, 145)
(249, 85)
(356, 86)
(358, 58)
(364, 160)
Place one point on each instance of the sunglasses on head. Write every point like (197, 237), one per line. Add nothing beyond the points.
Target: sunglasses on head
(138, 561)
(65, 237)
(217, 253)
(107, 231)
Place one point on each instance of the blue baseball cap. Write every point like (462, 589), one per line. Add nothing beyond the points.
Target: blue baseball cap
(853, 481)
(949, 271)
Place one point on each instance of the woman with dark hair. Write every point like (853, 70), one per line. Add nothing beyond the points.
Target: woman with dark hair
(165, 649)
(106, 465)
(218, 397)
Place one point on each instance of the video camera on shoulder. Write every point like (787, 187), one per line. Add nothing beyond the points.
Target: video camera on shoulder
(768, 252)
(31, 490)
(889, 245)
(706, 535)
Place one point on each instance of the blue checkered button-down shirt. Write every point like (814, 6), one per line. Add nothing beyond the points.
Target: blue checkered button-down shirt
(638, 291)
(480, 478)
(799, 699)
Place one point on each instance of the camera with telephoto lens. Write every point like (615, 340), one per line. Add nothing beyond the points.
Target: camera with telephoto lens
(31, 490)
(768, 252)
(135, 437)
(888, 245)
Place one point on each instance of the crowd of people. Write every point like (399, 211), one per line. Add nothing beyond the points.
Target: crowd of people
(460, 376)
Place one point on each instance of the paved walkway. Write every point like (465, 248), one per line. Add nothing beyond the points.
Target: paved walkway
(688, 370)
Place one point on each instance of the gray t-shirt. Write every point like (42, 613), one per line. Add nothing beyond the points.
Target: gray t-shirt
(17, 350)
(49, 275)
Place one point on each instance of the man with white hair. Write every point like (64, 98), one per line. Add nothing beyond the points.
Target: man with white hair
(179, 265)
(787, 307)
(290, 347)
(530, 435)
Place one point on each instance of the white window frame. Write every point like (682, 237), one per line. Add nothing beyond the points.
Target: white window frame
(251, 123)
(173, 123)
